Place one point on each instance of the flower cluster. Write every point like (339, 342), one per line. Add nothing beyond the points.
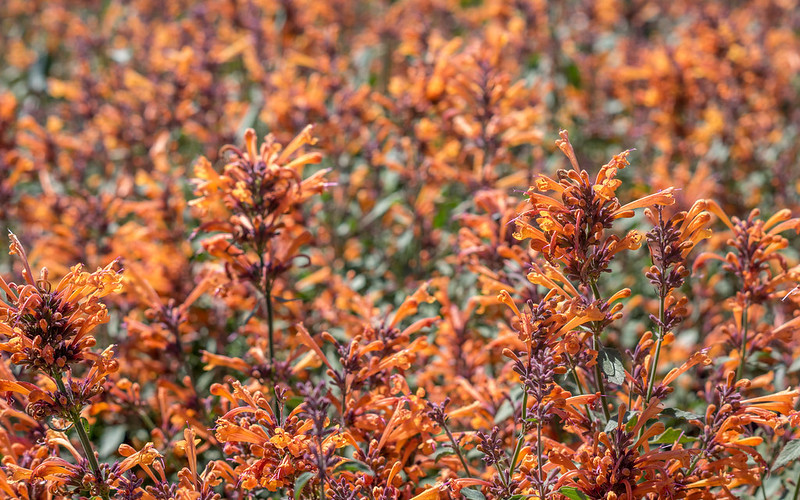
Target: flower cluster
(431, 292)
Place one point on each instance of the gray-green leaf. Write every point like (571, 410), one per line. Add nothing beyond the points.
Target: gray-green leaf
(472, 494)
(611, 363)
(789, 454)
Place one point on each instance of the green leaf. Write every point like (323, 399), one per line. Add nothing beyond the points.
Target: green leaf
(789, 454)
(505, 411)
(572, 493)
(301, 482)
(113, 436)
(472, 494)
(380, 208)
(86, 427)
(353, 465)
(683, 415)
(631, 423)
(629, 419)
(573, 75)
(441, 452)
(611, 363)
(671, 435)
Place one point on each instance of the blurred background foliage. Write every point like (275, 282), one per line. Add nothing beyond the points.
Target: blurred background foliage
(433, 116)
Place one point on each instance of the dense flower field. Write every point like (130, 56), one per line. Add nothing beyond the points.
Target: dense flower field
(400, 249)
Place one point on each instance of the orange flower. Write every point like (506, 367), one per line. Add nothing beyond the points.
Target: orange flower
(571, 228)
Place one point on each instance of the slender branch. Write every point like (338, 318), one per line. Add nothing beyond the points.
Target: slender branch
(75, 416)
(521, 439)
(321, 466)
(270, 324)
(457, 449)
(344, 402)
(539, 457)
(743, 347)
(654, 365)
(598, 374)
(579, 385)
(271, 330)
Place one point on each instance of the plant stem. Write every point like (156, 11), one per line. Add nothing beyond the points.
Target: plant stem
(539, 456)
(598, 374)
(271, 330)
(521, 439)
(270, 325)
(457, 449)
(743, 348)
(75, 416)
(654, 365)
(796, 490)
(344, 403)
(579, 385)
(321, 466)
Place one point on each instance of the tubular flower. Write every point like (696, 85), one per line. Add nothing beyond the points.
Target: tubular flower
(249, 204)
(268, 455)
(142, 458)
(253, 222)
(756, 244)
(569, 227)
(727, 445)
(614, 467)
(49, 328)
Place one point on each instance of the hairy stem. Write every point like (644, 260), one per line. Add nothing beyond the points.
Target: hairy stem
(743, 347)
(271, 330)
(75, 416)
(521, 439)
(457, 449)
(579, 385)
(539, 457)
(321, 474)
(270, 324)
(654, 366)
(598, 374)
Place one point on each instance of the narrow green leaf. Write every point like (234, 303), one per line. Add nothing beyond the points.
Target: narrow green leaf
(572, 493)
(301, 482)
(441, 452)
(573, 75)
(353, 465)
(380, 208)
(671, 435)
